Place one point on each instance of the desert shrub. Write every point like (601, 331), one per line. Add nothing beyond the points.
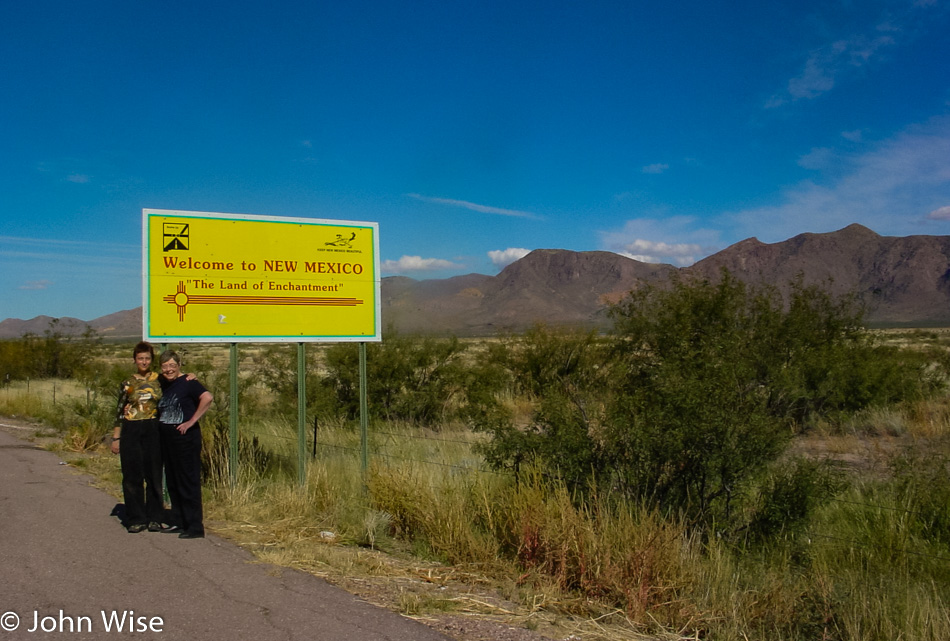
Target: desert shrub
(691, 422)
(254, 459)
(415, 379)
(488, 376)
(787, 499)
(53, 354)
(695, 394)
(14, 363)
(88, 421)
(58, 355)
(560, 371)
(275, 367)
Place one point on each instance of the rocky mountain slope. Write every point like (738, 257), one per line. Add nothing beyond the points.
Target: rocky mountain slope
(903, 280)
(900, 279)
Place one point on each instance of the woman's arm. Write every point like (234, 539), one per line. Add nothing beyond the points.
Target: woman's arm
(204, 402)
(119, 414)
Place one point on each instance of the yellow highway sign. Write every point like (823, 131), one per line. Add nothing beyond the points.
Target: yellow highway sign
(210, 277)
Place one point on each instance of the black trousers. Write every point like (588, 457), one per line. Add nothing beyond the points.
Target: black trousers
(181, 454)
(140, 455)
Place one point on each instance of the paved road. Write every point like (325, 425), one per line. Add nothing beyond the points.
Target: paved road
(69, 567)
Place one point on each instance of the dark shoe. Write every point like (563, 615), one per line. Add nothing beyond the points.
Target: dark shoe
(135, 529)
(155, 526)
(191, 535)
(175, 529)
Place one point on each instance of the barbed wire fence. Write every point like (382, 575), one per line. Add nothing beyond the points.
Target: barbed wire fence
(379, 455)
(387, 447)
(56, 390)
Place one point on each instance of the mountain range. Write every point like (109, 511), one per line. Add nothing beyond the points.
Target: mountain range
(902, 280)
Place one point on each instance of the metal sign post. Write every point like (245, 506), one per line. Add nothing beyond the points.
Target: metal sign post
(233, 416)
(364, 417)
(301, 414)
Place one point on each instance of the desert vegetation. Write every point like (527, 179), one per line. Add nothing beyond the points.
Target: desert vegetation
(725, 463)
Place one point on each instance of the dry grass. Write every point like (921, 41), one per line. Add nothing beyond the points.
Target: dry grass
(427, 534)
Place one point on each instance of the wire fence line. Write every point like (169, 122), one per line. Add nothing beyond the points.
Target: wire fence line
(55, 390)
(860, 544)
(59, 393)
(878, 507)
(851, 543)
(406, 459)
(394, 435)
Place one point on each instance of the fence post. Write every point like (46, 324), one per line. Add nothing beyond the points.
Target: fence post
(314, 454)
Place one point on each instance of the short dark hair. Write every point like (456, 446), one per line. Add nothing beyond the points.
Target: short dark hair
(143, 347)
(169, 355)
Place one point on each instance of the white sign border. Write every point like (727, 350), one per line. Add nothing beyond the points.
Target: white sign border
(172, 213)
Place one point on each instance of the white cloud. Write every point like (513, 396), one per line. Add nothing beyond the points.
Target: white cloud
(33, 285)
(814, 80)
(649, 251)
(501, 258)
(655, 168)
(943, 213)
(78, 178)
(417, 264)
(825, 65)
(889, 189)
(483, 209)
(676, 240)
(854, 136)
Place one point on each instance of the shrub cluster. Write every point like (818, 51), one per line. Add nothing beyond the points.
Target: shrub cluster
(690, 402)
(53, 354)
(687, 406)
(418, 380)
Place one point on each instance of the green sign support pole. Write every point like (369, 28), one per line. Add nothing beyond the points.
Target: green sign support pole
(364, 417)
(233, 375)
(301, 414)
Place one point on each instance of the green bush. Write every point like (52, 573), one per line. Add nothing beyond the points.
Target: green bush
(691, 422)
(560, 371)
(698, 390)
(50, 355)
(411, 379)
(788, 497)
(275, 367)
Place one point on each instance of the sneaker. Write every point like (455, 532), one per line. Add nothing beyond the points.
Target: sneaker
(135, 529)
(155, 526)
(175, 529)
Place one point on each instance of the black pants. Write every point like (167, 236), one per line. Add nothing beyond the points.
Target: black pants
(140, 455)
(181, 454)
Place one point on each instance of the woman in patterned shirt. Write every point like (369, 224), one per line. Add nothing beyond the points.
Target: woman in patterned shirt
(140, 453)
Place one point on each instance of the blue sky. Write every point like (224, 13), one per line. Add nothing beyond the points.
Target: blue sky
(471, 132)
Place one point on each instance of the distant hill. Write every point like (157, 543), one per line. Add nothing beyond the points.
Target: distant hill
(903, 280)
(124, 324)
(555, 286)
